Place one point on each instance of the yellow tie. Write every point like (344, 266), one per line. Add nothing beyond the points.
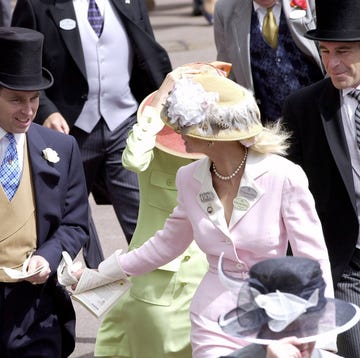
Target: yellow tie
(270, 29)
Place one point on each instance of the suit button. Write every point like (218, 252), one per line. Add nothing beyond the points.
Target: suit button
(84, 97)
(239, 266)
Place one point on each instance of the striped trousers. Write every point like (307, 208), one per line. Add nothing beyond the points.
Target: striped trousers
(348, 289)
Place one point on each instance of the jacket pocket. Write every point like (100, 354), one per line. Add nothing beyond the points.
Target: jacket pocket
(161, 194)
(156, 287)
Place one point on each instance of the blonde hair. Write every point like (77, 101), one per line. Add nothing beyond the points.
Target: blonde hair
(272, 139)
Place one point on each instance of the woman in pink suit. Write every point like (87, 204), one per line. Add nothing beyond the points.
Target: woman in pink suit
(243, 199)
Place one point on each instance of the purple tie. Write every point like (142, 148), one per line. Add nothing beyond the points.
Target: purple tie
(95, 18)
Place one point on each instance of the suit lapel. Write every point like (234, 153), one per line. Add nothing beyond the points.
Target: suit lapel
(243, 11)
(208, 199)
(297, 28)
(65, 11)
(248, 194)
(45, 179)
(330, 112)
(123, 8)
(249, 191)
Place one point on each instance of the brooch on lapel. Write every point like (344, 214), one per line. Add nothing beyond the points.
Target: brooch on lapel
(50, 155)
(298, 9)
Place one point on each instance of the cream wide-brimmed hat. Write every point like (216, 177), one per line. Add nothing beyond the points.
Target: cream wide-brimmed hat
(212, 108)
(167, 140)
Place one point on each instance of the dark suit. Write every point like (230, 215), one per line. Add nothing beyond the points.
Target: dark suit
(319, 145)
(37, 318)
(64, 58)
(63, 55)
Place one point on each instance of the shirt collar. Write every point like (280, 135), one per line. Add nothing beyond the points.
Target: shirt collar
(18, 136)
(346, 91)
(257, 6)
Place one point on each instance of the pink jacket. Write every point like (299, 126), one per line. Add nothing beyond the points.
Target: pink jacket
(273, 207)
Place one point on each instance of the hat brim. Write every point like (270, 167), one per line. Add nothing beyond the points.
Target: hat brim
(333, 36)
(336, 317)
(44, 82)
(167, 140)
(228, 136)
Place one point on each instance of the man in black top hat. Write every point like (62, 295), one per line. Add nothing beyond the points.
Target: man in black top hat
(324, 120)
(43, 208)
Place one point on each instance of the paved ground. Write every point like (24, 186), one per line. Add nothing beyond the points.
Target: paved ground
(187, 39)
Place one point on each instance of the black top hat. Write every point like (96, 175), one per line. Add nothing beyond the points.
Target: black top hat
(284, 297)
(337, 20)
(21, 60)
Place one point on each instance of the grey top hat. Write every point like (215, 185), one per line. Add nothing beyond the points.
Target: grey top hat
(21, 60)
(284, 297)
(337, 20)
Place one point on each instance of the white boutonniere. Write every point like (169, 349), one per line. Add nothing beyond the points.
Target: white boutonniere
(50, 155)
(127, 1)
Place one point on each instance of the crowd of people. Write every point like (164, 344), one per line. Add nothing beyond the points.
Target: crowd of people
(236, 182)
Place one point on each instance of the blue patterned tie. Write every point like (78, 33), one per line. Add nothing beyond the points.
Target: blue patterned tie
(95, 18)
(10, 168)
(356, 95)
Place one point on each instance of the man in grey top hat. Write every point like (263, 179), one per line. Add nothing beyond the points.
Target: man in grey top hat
(325, 121)
(43, 208)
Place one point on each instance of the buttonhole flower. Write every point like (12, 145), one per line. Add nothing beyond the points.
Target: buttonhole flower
(298, 4)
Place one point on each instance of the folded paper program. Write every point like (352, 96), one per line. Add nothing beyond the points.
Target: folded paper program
(23, 273)
(97, 290)
(66, 269)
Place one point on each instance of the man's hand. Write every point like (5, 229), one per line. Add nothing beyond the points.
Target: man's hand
(57, 122)
(41, 277)
(289, 348)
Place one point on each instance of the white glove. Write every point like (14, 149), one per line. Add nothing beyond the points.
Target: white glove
(111, 268)
(149, 121)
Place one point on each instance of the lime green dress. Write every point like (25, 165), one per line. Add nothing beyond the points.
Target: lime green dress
(152, 319)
